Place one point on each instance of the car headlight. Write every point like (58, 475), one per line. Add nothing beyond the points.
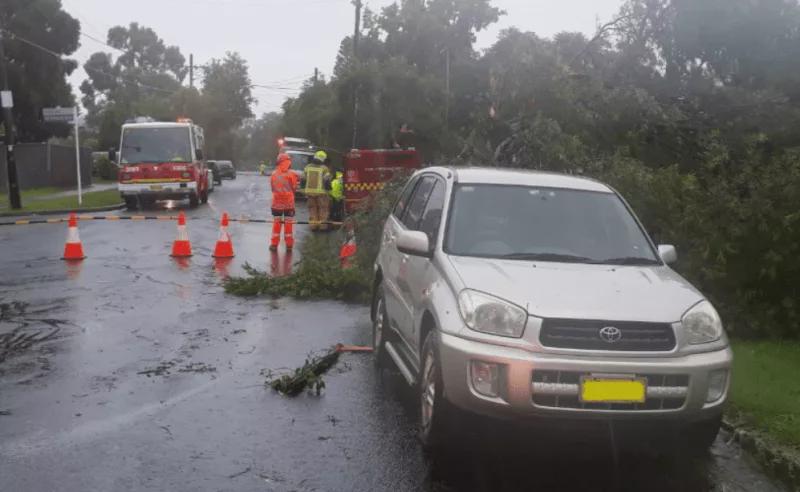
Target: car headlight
(702, 324)
(489, 314)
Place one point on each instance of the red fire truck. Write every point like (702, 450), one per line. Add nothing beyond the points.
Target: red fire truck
(366, 171)
(160, 161)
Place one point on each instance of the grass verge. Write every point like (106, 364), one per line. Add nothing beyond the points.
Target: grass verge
(765, 392)
(36, 203)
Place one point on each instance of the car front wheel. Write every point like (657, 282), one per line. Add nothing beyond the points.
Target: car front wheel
(379, 330)
(434, 409)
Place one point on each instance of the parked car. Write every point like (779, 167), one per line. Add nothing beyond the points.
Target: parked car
(211, 182)
(212, 165)
(226, 170)
(540, 296)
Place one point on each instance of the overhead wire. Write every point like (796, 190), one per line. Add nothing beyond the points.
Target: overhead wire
(88, 69)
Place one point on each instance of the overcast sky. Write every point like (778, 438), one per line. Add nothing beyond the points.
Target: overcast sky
(283, 40)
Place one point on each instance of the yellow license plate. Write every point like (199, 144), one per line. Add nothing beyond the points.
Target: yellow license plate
(156, 187)
(610, 390)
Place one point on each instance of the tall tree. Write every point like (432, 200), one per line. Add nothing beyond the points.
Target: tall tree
(38, 77)
(227, 98)
(139, 82)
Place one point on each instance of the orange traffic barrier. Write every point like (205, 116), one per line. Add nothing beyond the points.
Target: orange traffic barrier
(347, 252)
(182, 248)
(73, 249)
(224, 247)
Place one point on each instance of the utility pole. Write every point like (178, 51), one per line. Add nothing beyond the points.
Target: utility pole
(191, 71)
(446, 88)
(316, 75)
(356, 35)
(8, 121)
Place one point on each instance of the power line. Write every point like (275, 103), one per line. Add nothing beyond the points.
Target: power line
(276, 89)
(88, 69)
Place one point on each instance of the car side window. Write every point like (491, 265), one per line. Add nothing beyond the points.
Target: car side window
(432, 217)
(402, 203)
(411, 218)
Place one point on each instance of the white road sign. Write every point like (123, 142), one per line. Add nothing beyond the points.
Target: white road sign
(58, 114)
(6, 100)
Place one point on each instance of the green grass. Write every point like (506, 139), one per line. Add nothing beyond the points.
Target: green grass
(766, 388)
(36, 193)
(37, 203)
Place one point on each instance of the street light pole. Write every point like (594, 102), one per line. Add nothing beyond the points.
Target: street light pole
(8, 122)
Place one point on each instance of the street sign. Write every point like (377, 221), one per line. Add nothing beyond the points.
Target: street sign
(68, 115)
(6, 99)
(64, 115)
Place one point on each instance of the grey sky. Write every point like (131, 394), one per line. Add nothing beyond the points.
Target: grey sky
(283, 40)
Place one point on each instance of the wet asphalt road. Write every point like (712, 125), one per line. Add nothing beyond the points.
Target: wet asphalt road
(152, 381)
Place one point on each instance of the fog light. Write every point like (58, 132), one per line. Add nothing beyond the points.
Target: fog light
(717, 380)
(485, 378)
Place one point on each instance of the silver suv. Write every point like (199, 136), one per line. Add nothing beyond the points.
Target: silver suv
(535, 295)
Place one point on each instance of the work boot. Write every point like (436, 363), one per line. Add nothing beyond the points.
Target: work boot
(273, 248)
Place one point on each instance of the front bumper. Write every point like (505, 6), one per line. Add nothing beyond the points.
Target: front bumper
(163, 190)
(548, 385)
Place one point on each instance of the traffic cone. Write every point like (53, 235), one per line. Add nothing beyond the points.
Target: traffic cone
(73, 249)
(348, 251)
(182, 248)
(224, 247)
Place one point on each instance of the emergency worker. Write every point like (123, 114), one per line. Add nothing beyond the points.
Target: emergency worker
(318, 178)
(337, 197)
(284, 183)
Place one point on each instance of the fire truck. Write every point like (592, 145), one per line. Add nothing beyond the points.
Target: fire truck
(366, 171)
(162, 161)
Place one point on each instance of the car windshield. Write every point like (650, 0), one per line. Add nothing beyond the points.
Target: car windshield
(143, 145)
(299, 160)
(545, 224)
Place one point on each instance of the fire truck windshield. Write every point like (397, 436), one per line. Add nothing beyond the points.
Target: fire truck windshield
(148, 144)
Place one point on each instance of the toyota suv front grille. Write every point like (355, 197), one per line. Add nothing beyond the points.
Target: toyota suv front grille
(627, 336)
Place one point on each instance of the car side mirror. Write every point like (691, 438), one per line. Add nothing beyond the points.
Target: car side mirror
(112, 155)
(199, 154)
(668, 253)
(414, 243)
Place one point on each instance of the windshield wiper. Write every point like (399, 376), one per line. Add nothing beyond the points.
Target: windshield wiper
(631, 260)
(548, 257)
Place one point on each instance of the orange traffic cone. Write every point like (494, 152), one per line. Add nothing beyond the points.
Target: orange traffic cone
(224, 247)
(182, 248)
(73, 249)
(348, 251)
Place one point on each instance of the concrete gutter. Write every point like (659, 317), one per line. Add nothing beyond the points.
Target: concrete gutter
(107, 208)
(779, 461)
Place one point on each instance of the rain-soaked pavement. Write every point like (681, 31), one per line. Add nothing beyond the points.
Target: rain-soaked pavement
(141, 374)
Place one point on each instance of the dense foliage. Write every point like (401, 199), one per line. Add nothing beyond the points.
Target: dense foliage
(690, 109)
(37, 34)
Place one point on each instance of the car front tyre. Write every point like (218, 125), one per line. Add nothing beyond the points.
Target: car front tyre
(434, 408)
(131, 203)
(380, 330)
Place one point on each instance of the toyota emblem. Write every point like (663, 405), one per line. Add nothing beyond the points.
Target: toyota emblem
(610, 334)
